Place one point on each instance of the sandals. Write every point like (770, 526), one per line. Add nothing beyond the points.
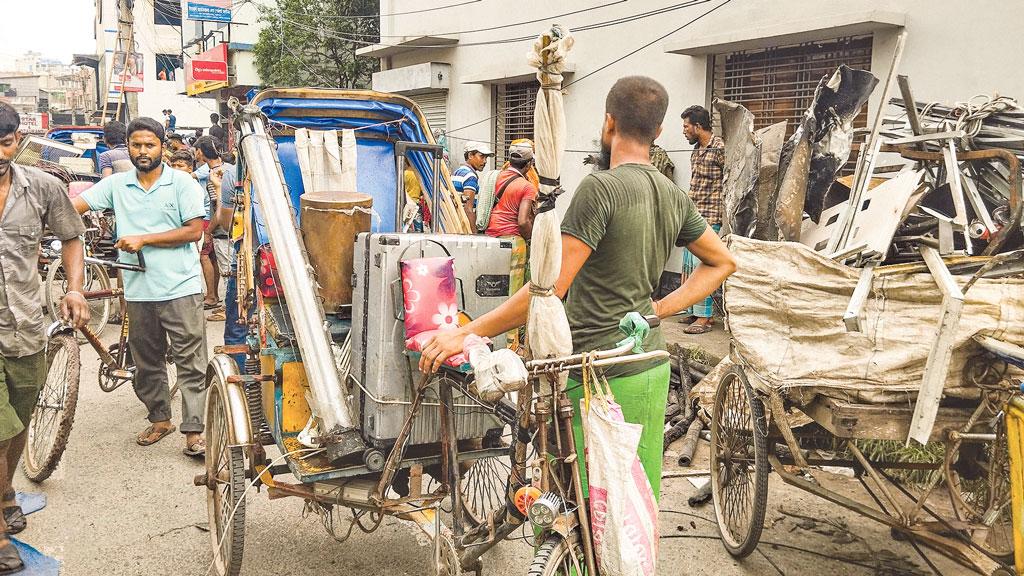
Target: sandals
(195, 449)
(209, 306)
(14, 516)
(218, 316)
(698, 328)
(146, 439)
(10, 559)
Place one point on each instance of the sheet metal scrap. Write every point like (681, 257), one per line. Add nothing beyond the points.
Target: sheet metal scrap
(742, 156)
(820, 147)
(837, 104)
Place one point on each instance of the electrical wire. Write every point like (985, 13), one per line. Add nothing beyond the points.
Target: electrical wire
(348, 37)
(360, 16)
(604, 67)
(475, 30)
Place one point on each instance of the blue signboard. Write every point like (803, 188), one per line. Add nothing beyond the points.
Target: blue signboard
(209, 10)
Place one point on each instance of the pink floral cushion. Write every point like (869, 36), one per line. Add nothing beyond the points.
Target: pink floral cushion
(428, 288)
(418, 342)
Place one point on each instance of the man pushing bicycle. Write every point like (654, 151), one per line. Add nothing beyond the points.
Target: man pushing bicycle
(616, 238)
(30, 200)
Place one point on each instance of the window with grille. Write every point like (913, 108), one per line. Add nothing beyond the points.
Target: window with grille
(514, 119)
(778, 83)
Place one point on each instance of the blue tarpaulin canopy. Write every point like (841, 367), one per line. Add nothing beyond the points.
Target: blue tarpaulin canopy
(379, 120)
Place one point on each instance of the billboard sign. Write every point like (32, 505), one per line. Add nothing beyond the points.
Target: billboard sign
(207, 71)
(208, 10)
(35, 122)
(128, 72)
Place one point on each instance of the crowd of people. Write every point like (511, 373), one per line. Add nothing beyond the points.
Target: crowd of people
(173, 200)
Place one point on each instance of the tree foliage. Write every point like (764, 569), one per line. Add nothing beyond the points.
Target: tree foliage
(314, 42)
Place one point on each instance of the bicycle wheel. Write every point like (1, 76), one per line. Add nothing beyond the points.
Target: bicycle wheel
(96, 278)
(556, 556)
(978, 477)
(54, 413)
(739, 464)
(225, 497)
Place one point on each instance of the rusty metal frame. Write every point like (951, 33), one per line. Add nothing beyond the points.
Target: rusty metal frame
(1016, 192)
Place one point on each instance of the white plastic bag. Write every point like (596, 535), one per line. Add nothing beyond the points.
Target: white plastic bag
(495, 373)
(623, 511)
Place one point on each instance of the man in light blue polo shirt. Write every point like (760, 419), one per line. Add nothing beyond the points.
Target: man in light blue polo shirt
(159, 213)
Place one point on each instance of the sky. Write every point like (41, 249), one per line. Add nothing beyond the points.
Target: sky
(56, 28)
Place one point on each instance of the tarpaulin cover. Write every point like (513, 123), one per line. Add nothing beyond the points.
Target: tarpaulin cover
(785, 307)
(375, 157)
(63, 135)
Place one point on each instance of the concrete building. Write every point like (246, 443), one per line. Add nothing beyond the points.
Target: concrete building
(28, 93)
(767, 55)
(166, 39)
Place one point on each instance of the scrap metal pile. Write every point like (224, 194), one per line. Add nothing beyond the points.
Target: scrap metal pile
(944, 177)
(868, 305)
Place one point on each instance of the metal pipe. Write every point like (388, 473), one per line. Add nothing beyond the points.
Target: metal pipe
(689, 447)
(297, 279)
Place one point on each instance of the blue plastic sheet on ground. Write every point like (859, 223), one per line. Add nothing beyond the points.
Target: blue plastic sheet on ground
(30, 502)
(36, 563)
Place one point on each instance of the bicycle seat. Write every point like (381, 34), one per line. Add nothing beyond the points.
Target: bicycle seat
(1005, 351)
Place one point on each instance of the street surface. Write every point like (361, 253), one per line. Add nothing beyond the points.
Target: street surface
(116, 509)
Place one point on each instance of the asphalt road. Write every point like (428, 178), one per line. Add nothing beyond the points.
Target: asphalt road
(116, 508)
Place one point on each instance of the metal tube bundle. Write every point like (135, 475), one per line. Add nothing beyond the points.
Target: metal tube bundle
(340, 433)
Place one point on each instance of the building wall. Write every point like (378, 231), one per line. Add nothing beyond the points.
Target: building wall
(152, 39)
(951, 54)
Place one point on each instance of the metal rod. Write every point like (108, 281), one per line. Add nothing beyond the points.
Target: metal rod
(875, 476)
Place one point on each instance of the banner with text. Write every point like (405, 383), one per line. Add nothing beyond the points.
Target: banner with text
(208, 10)
(207, 71)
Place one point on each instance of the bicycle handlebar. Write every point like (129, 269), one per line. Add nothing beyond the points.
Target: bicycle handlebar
(600, 358)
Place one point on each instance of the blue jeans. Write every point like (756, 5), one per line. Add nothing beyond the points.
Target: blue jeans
(234, 333)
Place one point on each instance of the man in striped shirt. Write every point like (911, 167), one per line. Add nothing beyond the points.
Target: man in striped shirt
(465, 179)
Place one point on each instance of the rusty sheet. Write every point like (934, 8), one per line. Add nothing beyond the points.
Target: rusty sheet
(739, 200)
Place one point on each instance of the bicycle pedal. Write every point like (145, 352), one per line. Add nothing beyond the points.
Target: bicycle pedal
(122, 374)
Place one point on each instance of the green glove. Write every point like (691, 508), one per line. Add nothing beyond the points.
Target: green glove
(636, 329)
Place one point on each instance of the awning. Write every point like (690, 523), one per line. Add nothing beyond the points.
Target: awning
(510, 74)
(406, 44)
(792, 32)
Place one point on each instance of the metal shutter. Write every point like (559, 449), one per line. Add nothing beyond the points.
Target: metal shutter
(778, 83)
(434, 106)
(514, 120)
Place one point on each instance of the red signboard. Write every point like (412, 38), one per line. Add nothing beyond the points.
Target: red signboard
(207, 71)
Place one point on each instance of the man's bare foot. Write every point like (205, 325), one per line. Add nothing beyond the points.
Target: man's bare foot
(154, 433)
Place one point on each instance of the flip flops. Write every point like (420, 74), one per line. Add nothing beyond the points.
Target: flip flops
(10, 559)
(213, 306)
(195, 449)
(700, 328)
(14, 516)
(145, 438)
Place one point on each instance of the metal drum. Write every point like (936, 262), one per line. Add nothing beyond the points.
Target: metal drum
(330, 222)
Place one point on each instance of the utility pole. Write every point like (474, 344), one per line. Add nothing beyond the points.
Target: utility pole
(125, 44)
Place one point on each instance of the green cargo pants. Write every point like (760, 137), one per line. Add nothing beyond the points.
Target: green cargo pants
(643, 397)
(21, 378)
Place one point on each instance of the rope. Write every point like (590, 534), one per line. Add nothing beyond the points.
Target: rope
(539, 291)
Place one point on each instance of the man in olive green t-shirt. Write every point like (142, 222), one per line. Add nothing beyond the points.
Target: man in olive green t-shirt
(616, 238)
